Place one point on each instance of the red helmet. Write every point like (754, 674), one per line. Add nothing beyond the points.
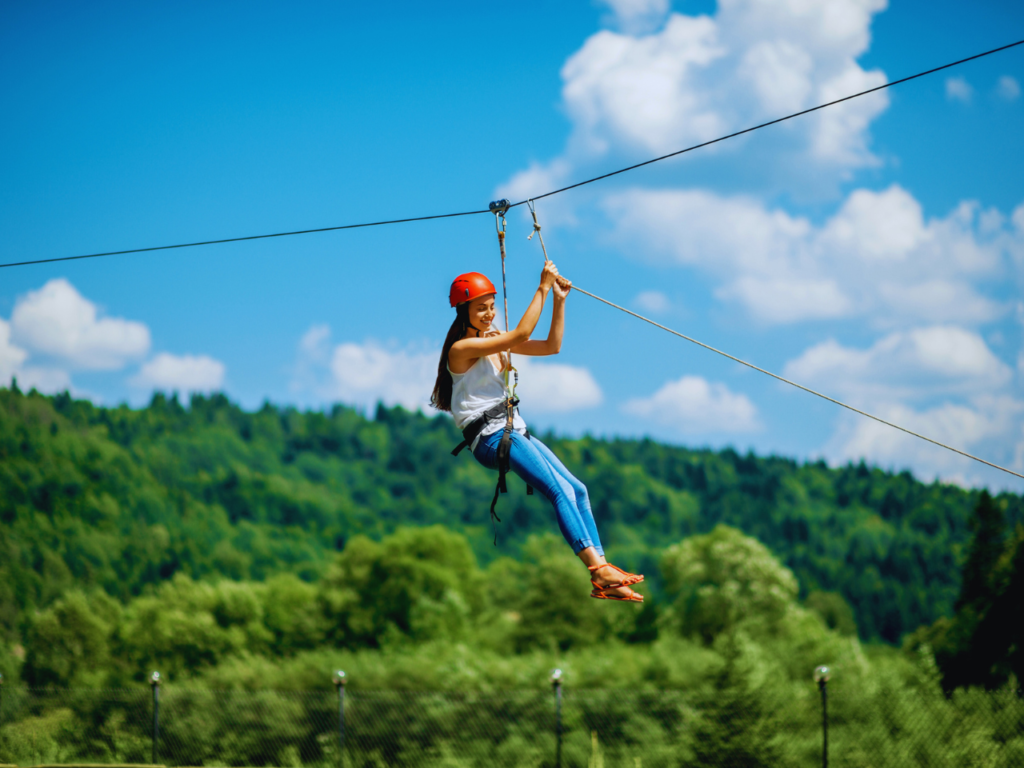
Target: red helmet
(468, 287)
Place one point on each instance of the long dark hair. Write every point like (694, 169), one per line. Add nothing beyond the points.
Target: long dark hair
(441, 397)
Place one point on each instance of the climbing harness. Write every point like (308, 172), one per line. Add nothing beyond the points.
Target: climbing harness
(503, 412)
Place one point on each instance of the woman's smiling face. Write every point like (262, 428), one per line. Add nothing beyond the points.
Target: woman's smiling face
(481, 312)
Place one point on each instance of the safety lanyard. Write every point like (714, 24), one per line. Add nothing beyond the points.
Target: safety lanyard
(499, 208)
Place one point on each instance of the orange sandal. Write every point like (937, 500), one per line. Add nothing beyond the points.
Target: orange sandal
(601, 591)
(632, 597)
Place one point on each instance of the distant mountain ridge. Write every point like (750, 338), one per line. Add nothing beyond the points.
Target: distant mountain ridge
(123, 498)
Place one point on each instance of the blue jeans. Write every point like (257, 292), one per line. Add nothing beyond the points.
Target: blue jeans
(537, 465)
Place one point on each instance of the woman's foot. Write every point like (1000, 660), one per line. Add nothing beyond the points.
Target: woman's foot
(612, 583)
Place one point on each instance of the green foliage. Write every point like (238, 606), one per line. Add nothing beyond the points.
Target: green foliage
(187, 626)
(448, 664)
(722, 578)
(736, 723)
(833, 610)
(292, 614)
(545, 597)
(419, 584)
(69, 643)
(123, 499)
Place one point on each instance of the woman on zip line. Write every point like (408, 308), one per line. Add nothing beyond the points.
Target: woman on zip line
(472, 385)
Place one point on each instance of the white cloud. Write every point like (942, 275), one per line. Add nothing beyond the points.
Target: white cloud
(535, 179)
(974, 413)
(366, 373)
(12, 366)
(57, 320)
(654, 302)
(11, 357)
(877, 256)
(787, 299)
(185, 373)
(958, 89)
(701, 77)
(363, 374)
(988, 426)
(49, 380)
(638, 16)
(694, 405)
(1008, 88)
(919, 362)
(546, 387)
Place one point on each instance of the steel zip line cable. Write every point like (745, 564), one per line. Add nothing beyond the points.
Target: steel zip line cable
(521, 202)
(241, 239)
(798, 386)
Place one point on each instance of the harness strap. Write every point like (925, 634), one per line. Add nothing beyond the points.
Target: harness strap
(503, 411)
(475, 427)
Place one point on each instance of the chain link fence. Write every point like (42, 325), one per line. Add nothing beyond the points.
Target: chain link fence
(597, 729)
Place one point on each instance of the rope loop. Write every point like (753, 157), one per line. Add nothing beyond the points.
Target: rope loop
(536, 230)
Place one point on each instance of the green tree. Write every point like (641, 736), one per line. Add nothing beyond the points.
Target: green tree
(417, 583)
(987, 526)
(834, 611)
(548, 595)
(292, 614)
(735, 725)
(69, 643)
(979, 645)
(721, 578)
(187, 626)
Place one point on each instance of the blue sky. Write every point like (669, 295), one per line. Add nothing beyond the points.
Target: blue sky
(874, 251)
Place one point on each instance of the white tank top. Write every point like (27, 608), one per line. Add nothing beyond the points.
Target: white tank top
(475, 391)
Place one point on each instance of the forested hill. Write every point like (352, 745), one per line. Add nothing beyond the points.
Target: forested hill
(121, 499)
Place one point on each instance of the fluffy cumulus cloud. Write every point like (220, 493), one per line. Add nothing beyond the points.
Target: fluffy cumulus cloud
(943, 382)
(11, 357)
(921, 362)
(548, 387)
(59, 322)
(55, 331)
(876, 257)
(989, 426)
(185, 373)
(693, 405)
(701, 77)
(925, 285)
(13, 361)
(366, 373)
(370, 372)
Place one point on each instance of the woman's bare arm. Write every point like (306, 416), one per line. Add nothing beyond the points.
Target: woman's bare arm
(552, 345)
(471, 348)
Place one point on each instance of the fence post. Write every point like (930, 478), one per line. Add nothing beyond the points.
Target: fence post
(339, 683)
(154, 682)
(821, 676)
(556, 682)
